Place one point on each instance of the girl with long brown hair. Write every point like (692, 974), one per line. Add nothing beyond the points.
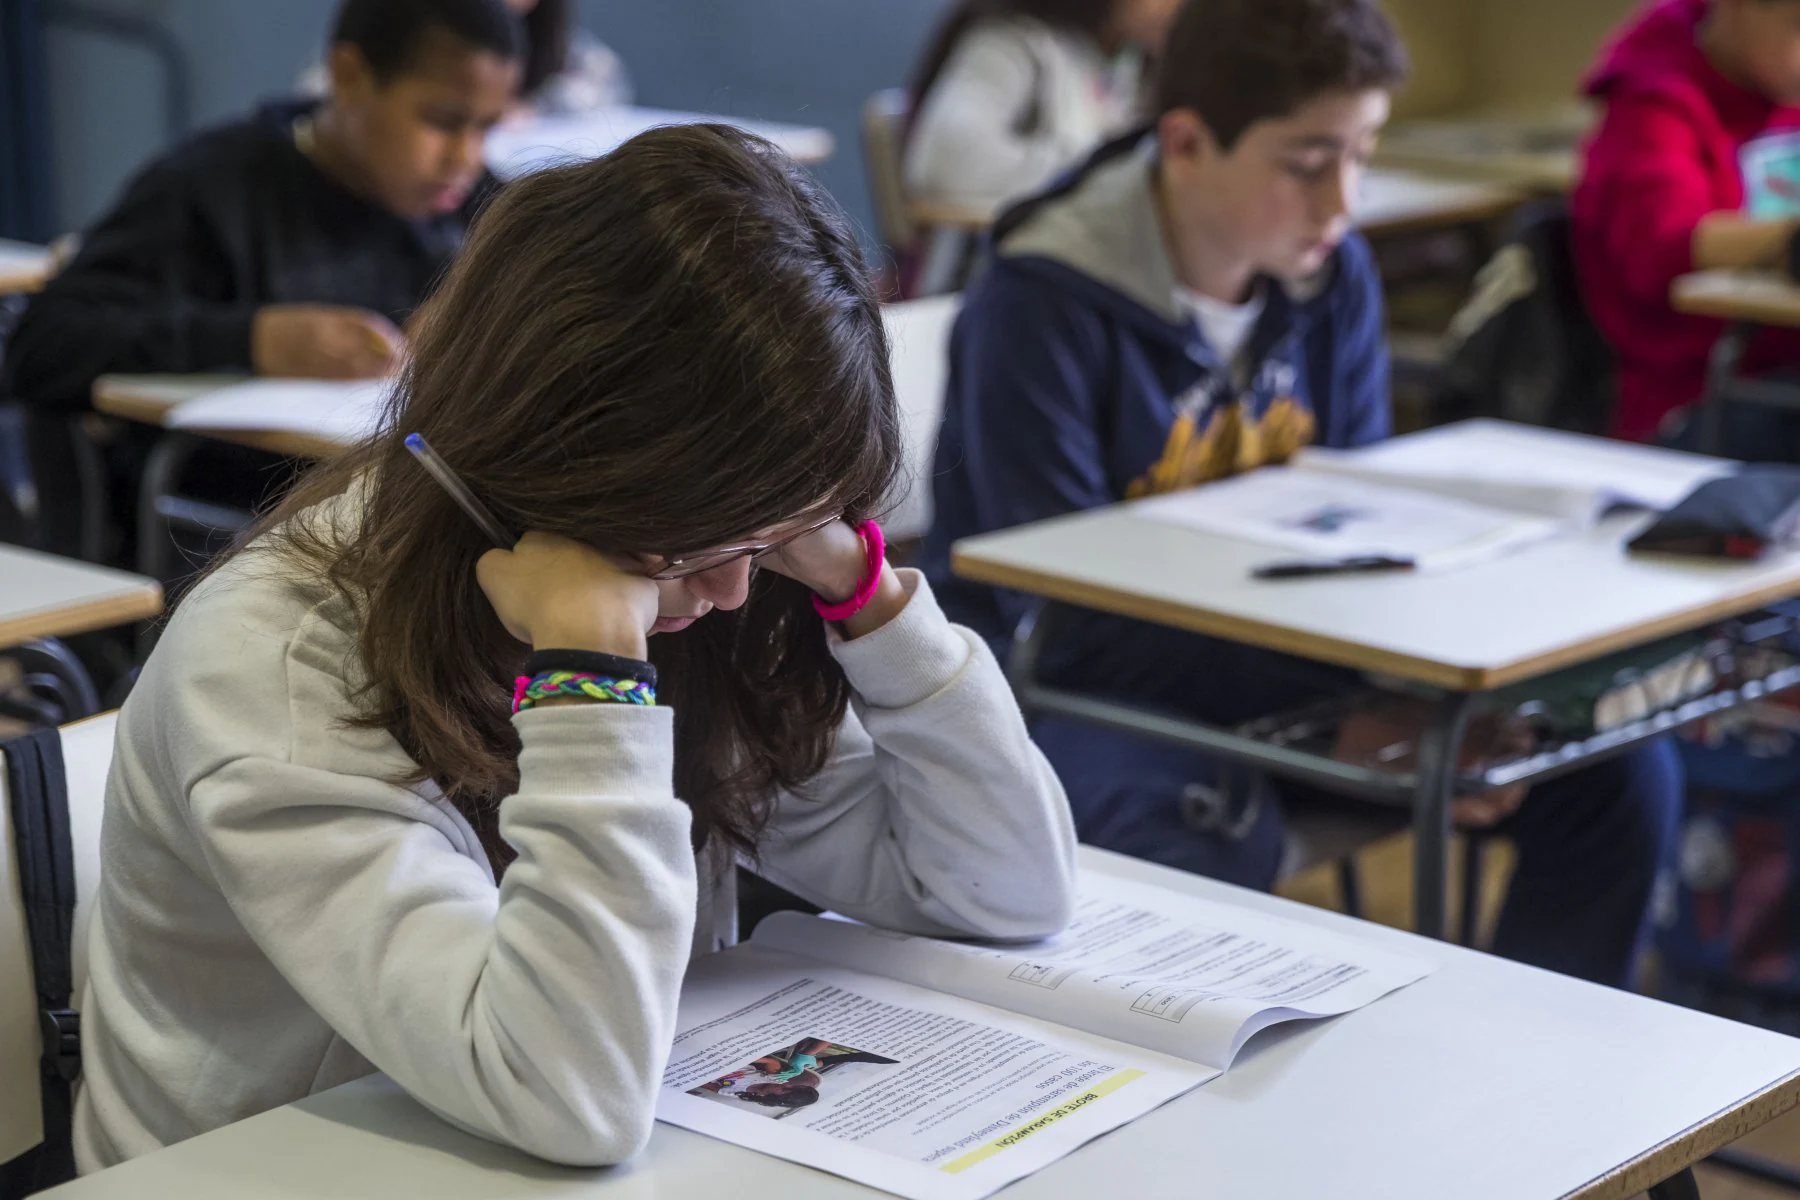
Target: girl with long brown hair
(332, 846)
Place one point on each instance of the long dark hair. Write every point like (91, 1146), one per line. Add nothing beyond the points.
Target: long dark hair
(658, 351)
(546, 43)
(1091, 17)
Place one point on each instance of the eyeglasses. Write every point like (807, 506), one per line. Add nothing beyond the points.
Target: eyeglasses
(706, 560)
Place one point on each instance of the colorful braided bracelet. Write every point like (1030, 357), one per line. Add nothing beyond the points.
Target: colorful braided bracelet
(528, 690)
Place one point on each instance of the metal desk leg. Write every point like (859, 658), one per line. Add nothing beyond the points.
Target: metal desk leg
(1721, 369)
(1756, 1166)
(162, 470)
(1677, 1187)
(1432, 791)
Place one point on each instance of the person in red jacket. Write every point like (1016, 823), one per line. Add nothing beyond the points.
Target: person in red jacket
(1696, 164)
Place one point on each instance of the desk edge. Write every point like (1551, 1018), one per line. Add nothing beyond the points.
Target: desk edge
(1469, 212)
(1352, 654)
(137, 604)
(1694, 1143)
(1781, 311)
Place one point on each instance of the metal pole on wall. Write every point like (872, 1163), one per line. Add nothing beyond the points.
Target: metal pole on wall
(24, 123)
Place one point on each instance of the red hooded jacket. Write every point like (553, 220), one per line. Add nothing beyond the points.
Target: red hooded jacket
(1665, 156)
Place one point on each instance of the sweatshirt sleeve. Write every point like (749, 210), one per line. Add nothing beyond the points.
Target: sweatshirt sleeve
(149, 291)
(1646, 175)
(537, 1013)
(965, 145)
(937, 813)
(1027, 401)
(1357, 374)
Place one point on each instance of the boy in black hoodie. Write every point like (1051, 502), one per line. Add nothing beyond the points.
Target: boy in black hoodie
(294, 242)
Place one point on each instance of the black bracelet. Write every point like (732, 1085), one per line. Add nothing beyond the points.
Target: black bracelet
(590, 662)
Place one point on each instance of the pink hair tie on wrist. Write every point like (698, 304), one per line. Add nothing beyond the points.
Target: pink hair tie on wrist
(875, 551)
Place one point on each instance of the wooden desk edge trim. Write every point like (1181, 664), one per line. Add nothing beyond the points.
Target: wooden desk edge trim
(1548, 173)
(1352, 654)
(275, 441)
(1178, 616)
(1473, 212)
(1694, 1143)
(139, 605)
(1758, 310)
(129, 407)
(1569, 656)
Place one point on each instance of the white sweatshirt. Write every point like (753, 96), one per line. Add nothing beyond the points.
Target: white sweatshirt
(1017, 102)
(276, 916)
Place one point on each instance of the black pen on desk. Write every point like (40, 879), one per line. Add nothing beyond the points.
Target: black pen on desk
(1313, 569)
(459, 491)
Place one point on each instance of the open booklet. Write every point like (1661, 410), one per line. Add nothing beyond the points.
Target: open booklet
(1443, 499)
(1323, 517)
(1524, 469)
(937, 1069)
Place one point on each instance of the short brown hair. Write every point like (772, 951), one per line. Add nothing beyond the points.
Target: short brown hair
(1237, 62)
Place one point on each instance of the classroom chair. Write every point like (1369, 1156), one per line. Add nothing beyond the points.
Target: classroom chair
(1319, 828)
(919, 350)
(884, 117)
(1524, 347)
(935, 248)
(61, 830)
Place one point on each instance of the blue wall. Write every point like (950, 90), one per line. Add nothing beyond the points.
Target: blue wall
(806, 61)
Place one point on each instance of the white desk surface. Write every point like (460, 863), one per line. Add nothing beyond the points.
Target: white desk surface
(1548, 606)
(1535, 151)
(1390, 201)
(919, 345)
(918, 337)
(1406, 201)
(1484, 1081)
(149, 399)
(517, 148)
(1760, 296)
(42, 595)
(23, 266)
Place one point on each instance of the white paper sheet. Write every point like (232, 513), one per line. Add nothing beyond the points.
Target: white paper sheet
(1525, 469)
(1315, 515)
(339, 412)
(1138, 964)
(917, 1093)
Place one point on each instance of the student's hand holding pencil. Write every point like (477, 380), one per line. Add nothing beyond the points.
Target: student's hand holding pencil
(556, 594)
(322, 341)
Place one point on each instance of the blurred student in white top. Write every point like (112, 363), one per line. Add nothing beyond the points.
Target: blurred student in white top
(1012, 92)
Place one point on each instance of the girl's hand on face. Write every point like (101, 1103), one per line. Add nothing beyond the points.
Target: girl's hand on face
(554, 593)
(830, 560)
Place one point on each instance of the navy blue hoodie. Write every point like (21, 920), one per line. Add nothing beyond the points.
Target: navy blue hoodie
(1078, 380)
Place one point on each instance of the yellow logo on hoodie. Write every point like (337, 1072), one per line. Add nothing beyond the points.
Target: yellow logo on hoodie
(1233, 440)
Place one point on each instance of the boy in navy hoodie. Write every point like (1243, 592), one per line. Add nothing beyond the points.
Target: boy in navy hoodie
(1189, 304)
